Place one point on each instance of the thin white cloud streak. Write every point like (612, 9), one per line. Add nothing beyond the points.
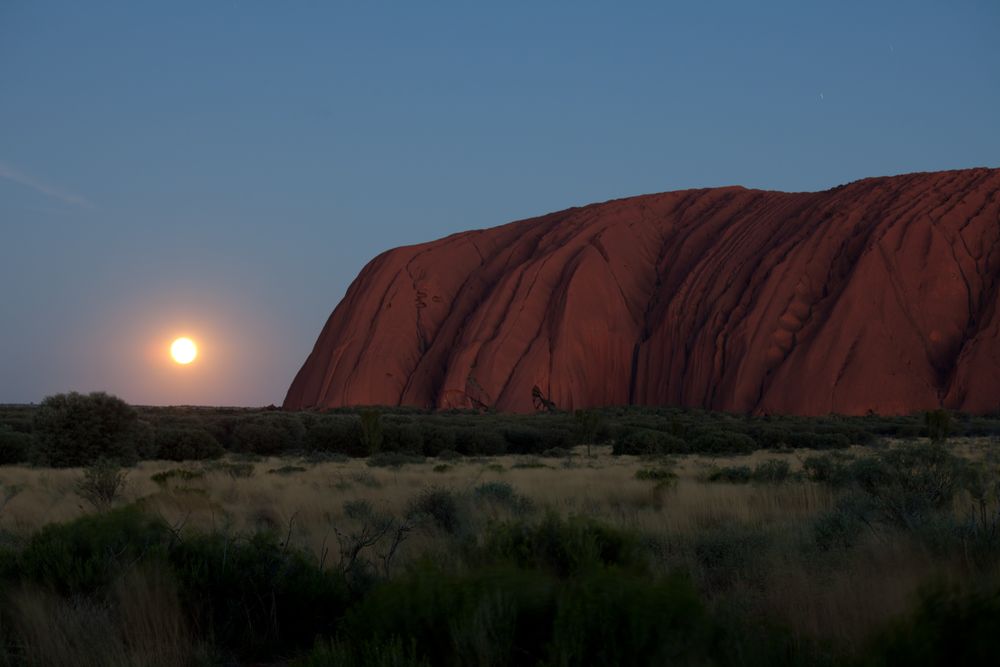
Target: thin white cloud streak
(9, 173)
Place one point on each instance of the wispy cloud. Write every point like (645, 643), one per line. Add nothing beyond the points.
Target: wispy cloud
(16, 176)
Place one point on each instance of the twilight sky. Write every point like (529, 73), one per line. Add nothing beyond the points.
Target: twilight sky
(224, 169)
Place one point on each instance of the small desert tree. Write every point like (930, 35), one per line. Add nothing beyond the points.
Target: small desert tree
(102, 484)
(586, 424)
(76, 430)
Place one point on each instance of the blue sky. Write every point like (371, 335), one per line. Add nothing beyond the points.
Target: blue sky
(224, 169)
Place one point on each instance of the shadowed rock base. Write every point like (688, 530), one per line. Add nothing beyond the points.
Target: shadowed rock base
(878, 295)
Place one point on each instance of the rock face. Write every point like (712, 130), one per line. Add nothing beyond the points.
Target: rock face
(878, 295)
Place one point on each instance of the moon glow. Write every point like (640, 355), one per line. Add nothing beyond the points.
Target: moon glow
(183, 350)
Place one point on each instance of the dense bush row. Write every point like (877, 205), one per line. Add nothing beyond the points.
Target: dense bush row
(74, 430)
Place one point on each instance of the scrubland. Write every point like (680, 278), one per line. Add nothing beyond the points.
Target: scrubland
(885, 552)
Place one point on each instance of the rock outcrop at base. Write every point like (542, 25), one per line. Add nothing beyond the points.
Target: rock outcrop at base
(880, 295)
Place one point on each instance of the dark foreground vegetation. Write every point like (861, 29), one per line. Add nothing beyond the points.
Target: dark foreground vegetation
(75, 430)
(125, 588)
(481, 573)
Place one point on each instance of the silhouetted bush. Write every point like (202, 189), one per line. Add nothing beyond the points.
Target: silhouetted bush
(402, 437)
(102, 484)
(907, 483)
(341, 434)
(523, 439)
(481, 441)
(773, 471)
(163, 478)
(722, 442)
(269, 433)
(610, 617)
(75, 430)
(184, 444)
(371, 431)
(938, 423)
(443, 508)
(656, 474)
(436, 438)
(255, 597)
(948, 627)
(562, 546)
(503, 494)
(647, 442)
(731, 474)
(15, 447)
(827, 469)
(85, 555)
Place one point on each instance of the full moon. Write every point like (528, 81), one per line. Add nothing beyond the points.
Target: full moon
(183, 350)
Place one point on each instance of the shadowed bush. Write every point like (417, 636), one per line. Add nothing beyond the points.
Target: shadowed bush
(15, 447)
(340, 434)
(268, 434)
(74, 430)
(255, 596)
(184, 444)
(947, 628)
(561, 546)
(647, 442)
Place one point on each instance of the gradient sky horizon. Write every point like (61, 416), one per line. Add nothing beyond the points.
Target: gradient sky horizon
(224, 170)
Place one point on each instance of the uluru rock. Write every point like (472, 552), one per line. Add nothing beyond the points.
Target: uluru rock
(879, 295)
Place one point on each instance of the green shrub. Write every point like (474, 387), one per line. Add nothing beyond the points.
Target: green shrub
(85, 555)
(442, 507)
(436, 439)
(586, 424)
(403, 437)
(371, 431)
(610, 617)
(561, 546)
(491, 616)
(480, 441)
(163, 478)
(773, 471)
(731, 474)
(340, 434)
(729, 553)
(827, 469)
(722, 442)
(102, 484)
(186, 444)
(947, 627)
(255, 597)
(236, 470)
(268, 434)
(907, 483)
(656, 474)
(286, 470)
(15, 447)
(523, 439)
(842, 526)
(503, 494)
(75, 430)
(938, 423)
(647, 442)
